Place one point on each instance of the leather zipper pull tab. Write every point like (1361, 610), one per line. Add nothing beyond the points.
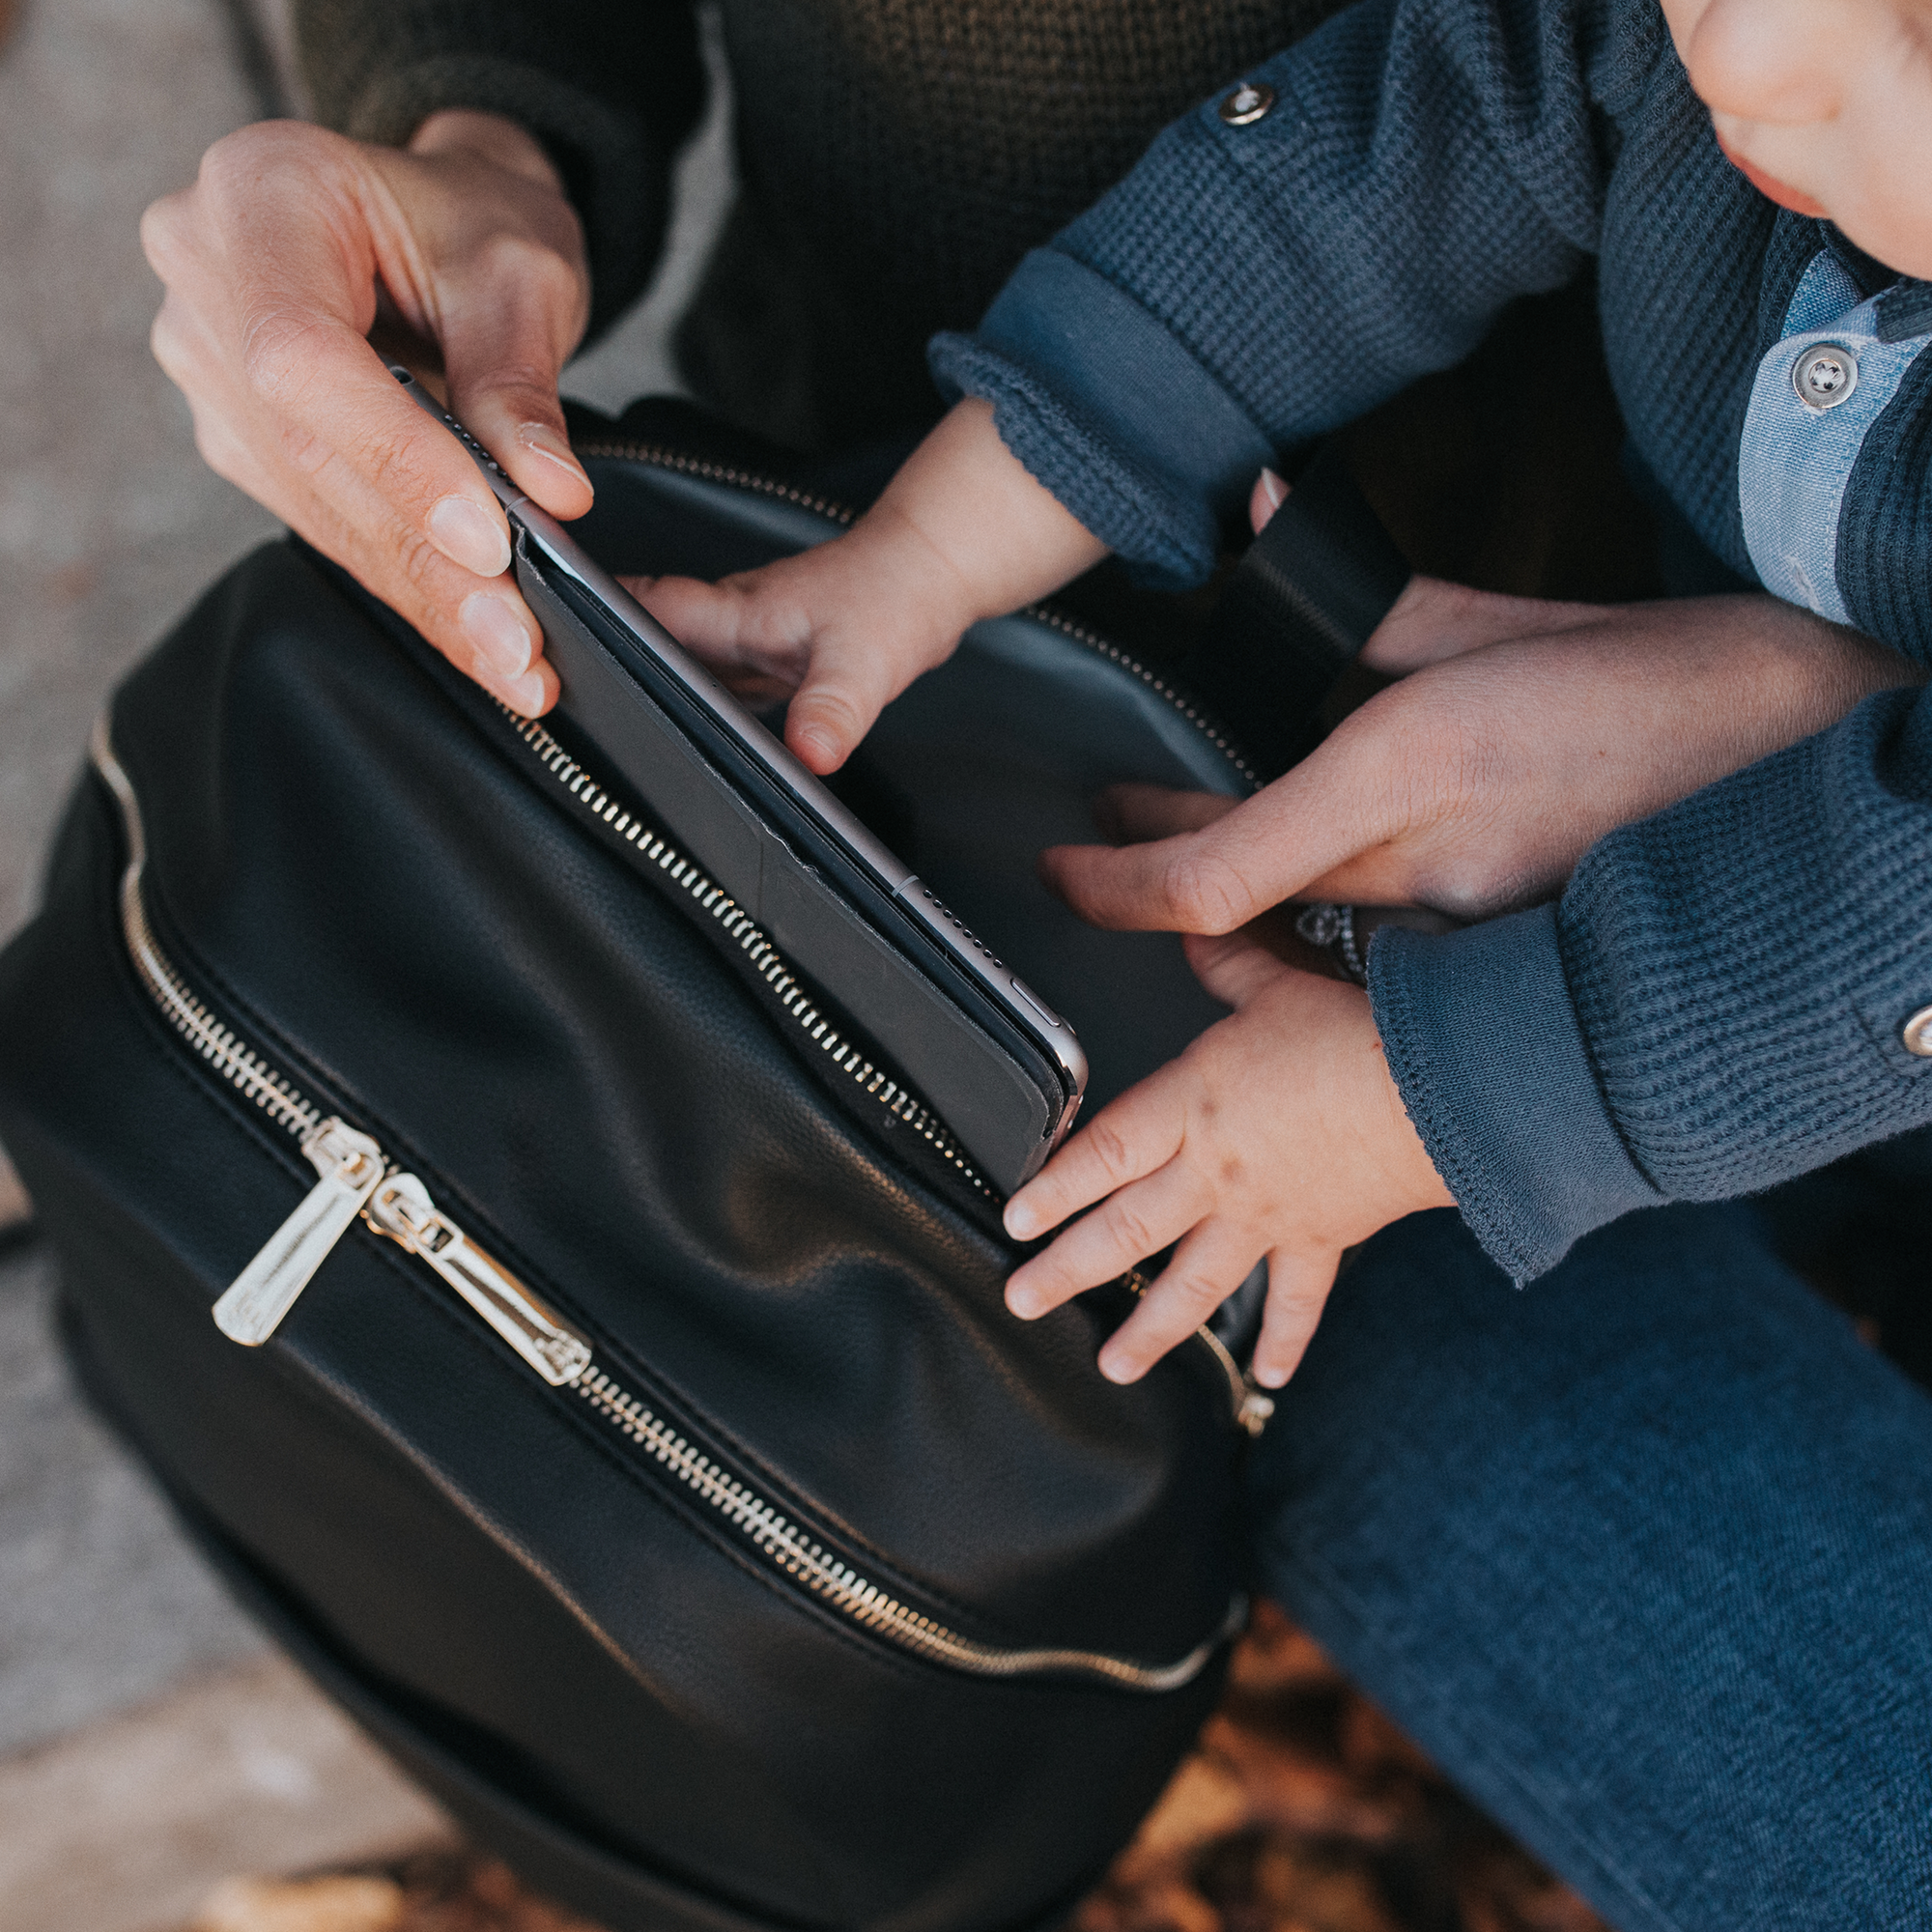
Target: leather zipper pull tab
(350, 1164)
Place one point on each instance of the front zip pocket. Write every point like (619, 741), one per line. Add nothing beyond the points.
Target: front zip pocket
(356, 1181)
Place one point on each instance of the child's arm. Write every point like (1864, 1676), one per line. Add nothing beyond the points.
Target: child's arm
(1278, 1133)
(962, 532)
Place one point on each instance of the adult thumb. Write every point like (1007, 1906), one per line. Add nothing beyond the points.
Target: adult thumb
(503, 358)
(515, 412)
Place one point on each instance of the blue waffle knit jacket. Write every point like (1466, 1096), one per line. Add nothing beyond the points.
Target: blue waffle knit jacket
(1718, 1001)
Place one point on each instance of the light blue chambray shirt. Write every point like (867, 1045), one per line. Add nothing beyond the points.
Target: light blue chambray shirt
(1797, 457)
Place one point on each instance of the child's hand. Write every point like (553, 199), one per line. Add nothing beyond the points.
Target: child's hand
(1279, 1132)
(962, 532)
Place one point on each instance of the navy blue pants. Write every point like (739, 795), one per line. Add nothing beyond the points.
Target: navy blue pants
(1641, 1554)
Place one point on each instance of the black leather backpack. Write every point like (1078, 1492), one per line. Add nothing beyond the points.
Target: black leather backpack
(650, 1464)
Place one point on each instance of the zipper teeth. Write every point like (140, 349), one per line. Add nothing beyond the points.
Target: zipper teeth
(1135, 1281)
(1240, 1395)
(771, 965)
(659, 458)
(780, 1542)
(1080, 634)
(215, 1042)
(790, 1551)
(751, 941)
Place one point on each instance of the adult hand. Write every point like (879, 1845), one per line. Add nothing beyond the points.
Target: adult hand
(1215, 1151)
(1476, 783)
(278, 261)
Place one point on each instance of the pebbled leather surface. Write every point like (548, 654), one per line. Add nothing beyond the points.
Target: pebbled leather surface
(978, 767)
(352, 862)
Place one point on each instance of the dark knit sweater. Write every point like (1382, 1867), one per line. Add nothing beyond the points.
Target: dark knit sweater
(898, 157)
(1718, 1001)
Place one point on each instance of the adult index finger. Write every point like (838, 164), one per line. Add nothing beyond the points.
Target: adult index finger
(1219, 877)
(421, 527)
(1134, 813)
(503, 346)
(347, 424)
(497, 648)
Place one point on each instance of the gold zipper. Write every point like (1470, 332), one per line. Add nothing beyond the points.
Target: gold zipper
(357, 1180)
(656, 456)
(350, 1166)
(790, 1548)
(751, 940)
(1250, 1406)
(192, 1020)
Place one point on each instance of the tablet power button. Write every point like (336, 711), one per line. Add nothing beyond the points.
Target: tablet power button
(1032, 1000)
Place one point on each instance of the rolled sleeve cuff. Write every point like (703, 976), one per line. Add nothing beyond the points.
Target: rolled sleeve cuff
(1110, 412)
(1483, 1039)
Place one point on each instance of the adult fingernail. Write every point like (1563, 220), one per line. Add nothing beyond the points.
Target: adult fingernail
(467, 533)
(1021, 1302)
(1021, 1222)
(1117, 1369)
(524, 694)
(1273, 489)
(540, 439)
(1272, 1377)
(501, 638)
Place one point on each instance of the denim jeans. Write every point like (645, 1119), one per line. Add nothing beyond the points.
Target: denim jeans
(1641, 1554)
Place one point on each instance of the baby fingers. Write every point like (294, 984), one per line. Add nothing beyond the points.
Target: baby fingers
(1140, 1133)
(730, 625)
(1206, 1268)
(1298, 1290)
(1138, 1221)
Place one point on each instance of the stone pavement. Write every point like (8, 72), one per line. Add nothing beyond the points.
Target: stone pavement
(128, 1825)
(110, 526)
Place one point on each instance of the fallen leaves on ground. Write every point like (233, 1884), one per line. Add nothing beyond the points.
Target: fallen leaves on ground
(1301, 1809)
(1304, 1809)
(444, 1892)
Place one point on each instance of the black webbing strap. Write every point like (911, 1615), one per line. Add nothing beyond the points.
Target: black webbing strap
(1299, 607)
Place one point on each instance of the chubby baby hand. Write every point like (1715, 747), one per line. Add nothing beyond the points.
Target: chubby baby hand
(1279, 1133)
(962, 532)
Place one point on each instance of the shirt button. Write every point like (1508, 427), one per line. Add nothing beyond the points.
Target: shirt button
(1248, 103)
(1916, 1034)
(1825, 375)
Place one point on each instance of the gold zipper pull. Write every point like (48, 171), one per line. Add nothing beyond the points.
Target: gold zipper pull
(401, 1208)
(350, 1164)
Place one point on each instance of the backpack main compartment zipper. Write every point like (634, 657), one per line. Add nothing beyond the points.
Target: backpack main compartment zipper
(356, 1180)
(655, 456)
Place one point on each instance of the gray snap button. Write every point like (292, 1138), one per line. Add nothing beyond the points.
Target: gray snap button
(1916, 1034)
(1248, 103)
(1825, 375)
